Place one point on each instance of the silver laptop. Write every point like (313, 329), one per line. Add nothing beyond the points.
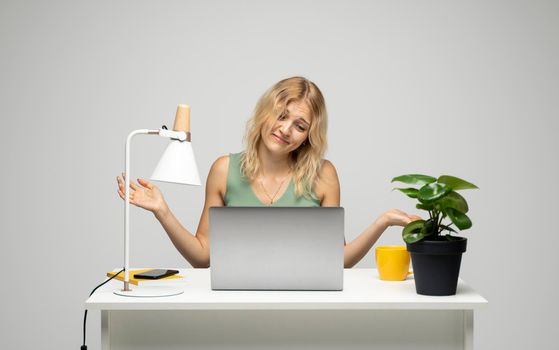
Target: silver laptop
(276, 248)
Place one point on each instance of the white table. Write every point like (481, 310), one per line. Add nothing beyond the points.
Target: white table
(367, 314)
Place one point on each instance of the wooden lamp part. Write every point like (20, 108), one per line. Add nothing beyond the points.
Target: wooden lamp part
(182, 119)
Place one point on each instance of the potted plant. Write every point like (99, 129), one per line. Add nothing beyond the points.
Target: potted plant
(435, 252)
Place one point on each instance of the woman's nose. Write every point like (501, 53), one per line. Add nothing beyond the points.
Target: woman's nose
(285, 127)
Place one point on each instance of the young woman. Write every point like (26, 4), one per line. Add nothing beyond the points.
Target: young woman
(281, 165)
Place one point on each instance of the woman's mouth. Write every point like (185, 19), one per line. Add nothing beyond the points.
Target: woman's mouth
(280, 140)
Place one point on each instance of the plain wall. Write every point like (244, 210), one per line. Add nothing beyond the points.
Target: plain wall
(438, 87)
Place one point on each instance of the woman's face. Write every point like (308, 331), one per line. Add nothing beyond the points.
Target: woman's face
(288, 131)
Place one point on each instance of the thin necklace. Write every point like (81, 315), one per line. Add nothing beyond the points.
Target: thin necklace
(271, 198)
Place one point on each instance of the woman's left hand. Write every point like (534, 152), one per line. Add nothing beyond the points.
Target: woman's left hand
(396, 217)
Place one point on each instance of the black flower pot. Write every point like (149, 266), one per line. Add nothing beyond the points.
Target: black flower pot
(436, 265)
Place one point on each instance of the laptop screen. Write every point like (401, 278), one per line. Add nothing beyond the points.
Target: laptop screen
(276, 248)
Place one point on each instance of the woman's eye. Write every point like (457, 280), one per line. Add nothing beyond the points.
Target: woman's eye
(300, 128)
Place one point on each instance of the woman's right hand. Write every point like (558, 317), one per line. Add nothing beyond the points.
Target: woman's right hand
(144, 194)
(396, 217)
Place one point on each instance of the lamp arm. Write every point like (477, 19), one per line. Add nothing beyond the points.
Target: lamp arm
(127, 202)
(163, 132)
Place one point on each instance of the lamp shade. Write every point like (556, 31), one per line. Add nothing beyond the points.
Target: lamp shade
(177, 165)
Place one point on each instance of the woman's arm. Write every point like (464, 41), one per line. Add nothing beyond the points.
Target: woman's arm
(360, 246)
(194, 248)
(329, 188)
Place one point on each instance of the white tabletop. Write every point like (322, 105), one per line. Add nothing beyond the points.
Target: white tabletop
(363, 290)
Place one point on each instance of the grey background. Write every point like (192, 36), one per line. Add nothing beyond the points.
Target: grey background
(439, 87)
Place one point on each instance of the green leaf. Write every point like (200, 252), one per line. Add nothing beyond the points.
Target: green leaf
(433, 191)
(410, 192)
(414, 179)
(412, 231)
(455, 183)
(455, 201)
(461, 220)
(424, 206)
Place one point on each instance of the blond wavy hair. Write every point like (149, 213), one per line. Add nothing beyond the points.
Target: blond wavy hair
(305, 160)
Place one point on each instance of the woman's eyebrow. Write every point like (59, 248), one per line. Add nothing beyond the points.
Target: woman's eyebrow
(299, 118)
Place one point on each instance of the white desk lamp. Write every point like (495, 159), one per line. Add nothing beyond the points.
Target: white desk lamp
(177, 165)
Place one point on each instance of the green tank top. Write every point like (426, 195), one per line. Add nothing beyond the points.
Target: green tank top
(239, 193)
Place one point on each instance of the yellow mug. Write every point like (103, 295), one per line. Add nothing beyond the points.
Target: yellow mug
(393, 263)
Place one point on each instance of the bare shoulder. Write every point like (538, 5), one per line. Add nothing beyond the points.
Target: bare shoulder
(328, 186)
(221, 164)
(328, 171)
(217, 178)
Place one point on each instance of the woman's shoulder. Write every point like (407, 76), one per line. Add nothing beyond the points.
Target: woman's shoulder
(327, 184)
(220, 164)
(327, 170)
(217, 177)
(221, 160)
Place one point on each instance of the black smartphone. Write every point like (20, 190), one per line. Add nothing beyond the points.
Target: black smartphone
(155, 274)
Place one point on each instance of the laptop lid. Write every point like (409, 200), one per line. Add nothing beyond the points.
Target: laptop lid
(277, 248)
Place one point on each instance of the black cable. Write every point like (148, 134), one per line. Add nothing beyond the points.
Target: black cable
(84, 347)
